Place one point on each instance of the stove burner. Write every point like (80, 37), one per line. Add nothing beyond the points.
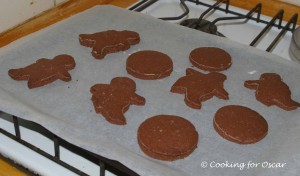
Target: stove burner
(203, 25)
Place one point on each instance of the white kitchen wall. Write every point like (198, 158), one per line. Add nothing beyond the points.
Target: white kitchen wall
(59, 1)
(294, 2)
(14, 12)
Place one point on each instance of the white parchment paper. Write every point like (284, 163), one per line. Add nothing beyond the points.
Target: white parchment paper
(66, 108)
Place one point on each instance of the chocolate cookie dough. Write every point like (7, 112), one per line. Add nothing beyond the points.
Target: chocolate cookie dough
(45, 71)
(111, 41)
(149, 65)
(271, 90)
(240, 124)
(113, 100)
(167, 137)
(210, 59)
(198, 87)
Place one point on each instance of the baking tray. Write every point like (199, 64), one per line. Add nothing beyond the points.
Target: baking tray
(66, 109)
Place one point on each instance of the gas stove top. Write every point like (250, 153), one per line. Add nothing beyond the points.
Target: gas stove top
(271, 34)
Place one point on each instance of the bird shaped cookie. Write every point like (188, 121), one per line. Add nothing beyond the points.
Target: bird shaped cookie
(45, 71)
(113, 100)
(271, 90)
(199, 87)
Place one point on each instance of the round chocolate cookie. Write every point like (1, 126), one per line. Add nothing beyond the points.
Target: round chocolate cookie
(240, 124)
(167, 137)
(210, 59)
(149, 65)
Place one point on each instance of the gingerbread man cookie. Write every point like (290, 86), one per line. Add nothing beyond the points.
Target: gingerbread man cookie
(45, 71)
(113, 100)
(199, 87)
(271, 90)
(110, 41)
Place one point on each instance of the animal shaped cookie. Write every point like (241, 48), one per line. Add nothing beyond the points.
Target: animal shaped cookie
(113, 100)
(271, 90)
(199, 87)
(111, 41)
(45, 71)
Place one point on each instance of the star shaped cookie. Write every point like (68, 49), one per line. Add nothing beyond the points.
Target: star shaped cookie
(199, 87)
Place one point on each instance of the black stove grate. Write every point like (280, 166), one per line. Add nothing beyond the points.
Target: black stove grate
(104, 164)
(210, 27)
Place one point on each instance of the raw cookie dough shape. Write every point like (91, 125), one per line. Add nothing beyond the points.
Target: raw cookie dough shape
(210, 59)
(271, 90)
(113, 100)
(149, 65)
(111, 41)
(45, 71)
(199, 87)
(240, 124)
(167, 137)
